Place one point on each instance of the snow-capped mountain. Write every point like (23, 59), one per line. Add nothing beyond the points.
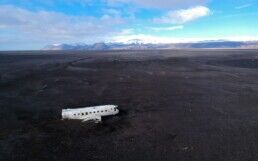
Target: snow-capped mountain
(138, 44)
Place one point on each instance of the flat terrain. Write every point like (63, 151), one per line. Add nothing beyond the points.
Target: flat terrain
(176, 105)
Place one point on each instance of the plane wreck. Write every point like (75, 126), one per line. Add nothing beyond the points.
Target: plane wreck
(93, 113)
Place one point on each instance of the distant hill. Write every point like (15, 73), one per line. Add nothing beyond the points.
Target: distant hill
(138, 45)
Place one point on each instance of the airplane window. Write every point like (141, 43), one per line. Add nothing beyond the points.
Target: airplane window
(82, 113)
(86, 113)
(106, 110)
(94, 112)
(74, 114)
(90, 112)
(101, 111)
(98, 111)
(78, 114)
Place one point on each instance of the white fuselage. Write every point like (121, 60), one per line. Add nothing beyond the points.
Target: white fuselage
(90, 113)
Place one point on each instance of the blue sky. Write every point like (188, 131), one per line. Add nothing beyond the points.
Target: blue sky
(26, 24)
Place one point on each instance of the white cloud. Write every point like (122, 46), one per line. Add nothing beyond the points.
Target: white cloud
(140, 3)
(184, 15)
(161, 3)
(54, 26)
(171, 28)
(112, 12)
(127, 31)
(243, 6)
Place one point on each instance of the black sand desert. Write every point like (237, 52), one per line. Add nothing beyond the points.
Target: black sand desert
(176, 105)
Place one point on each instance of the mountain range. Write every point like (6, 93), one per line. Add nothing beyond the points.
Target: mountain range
(141, 46)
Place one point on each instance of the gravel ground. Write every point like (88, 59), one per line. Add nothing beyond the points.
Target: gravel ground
(176, 105)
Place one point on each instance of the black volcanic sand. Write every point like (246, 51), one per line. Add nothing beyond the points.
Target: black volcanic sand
(175, 105)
